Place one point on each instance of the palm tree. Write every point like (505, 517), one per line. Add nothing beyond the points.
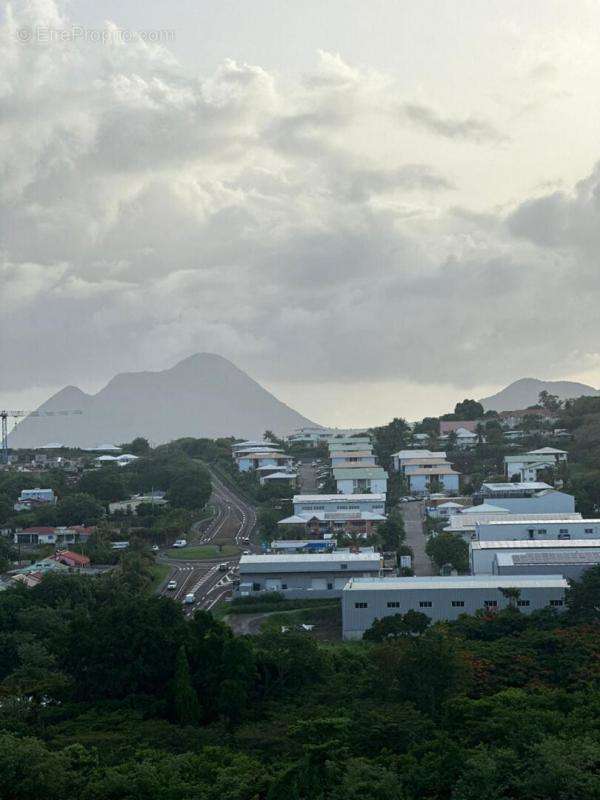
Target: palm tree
(512, 595)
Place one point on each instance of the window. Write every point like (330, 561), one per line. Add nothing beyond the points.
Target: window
(361, 605)
(393, 604)
(490, 603)
(256, 587)
(330, 585)
(589, 530)
(563, 530)
(556, 603)
(523, 603)
(458, 603)
(542, 530)
(343, 566)
(425, 604)
(284, 585)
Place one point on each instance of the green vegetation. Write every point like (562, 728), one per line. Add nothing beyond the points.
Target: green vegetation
(109, 692)
(448, 549)
(159, 574)
(203, 551)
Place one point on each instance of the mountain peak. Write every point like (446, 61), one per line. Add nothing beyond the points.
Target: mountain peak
(204, 395)
(524, 392)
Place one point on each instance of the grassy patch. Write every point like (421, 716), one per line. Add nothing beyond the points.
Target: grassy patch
(203, 551)
(327, 621)
(256, 607)
(160, 572)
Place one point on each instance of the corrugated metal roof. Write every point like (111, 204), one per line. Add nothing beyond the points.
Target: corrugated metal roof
(535, 544)
(462, 582)
(551, 558)
(358, 474)
(337, 498)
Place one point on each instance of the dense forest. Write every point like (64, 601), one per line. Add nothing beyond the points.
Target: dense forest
(110, 693)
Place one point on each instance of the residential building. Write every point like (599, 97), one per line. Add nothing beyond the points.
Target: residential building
(533, 465)
(448, 426)
(463, 439)
(332, 503)
(482, 555)
(305, 574)
(417, 458)
(71, 559)
(32, 498)
(444, 510)
(444, 598)
(279, 478)
(512, 419)
(349, 458)
(527, 497)
(361, 480)
(254, 460)
(316, 435)
(423, 480)
(358, 443)
(42, 534)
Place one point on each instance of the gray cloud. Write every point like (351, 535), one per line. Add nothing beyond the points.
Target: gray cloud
(470, 129)
(149, 214)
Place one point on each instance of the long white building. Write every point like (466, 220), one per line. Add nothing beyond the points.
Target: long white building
(528, 497)
(546, 529)
(305, 574)
(331, 503)
(443, 598)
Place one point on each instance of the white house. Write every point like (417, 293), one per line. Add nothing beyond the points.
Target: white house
(531, 466)
(30, 498)
(254, 460)
(361, 480)
(444, 598)
(464, 438)
(279, 478)
(421, 479)
(349, 458)
(416, 458)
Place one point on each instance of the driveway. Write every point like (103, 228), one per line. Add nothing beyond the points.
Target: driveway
(415, 538)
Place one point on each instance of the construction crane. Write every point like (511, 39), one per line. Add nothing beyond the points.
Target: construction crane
(5, 415)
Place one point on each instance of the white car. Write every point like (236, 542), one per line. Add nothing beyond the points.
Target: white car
(247, 553)
(172, 585)
(155, 548)
(190, 599)
(180, 543)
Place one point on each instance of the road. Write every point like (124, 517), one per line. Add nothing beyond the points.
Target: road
(415, 538)
(308, 477)
(233, 522)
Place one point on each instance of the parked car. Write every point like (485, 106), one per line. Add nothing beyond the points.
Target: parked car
(190, 599)
(155, 548)
(172, 585)
(223, 567)
(247, 553)
(180, 543)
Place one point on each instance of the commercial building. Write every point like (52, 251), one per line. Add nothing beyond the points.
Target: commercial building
(305, 574)
(363, 479)
(465, 522)
(545, 529)
(303, 545)
(527, 497)
(444, 598)
(570, 564)
(309, 503)
(482, 555)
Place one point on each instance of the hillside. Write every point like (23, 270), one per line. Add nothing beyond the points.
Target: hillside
(203, 395)
(525, 392)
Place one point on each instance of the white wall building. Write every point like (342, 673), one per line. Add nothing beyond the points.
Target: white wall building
(248, 461)
(359, 481)
(443, 598)
(466, 523)
(546, 529)
(417, 458)
(531, 466)
(347, 458)
(309, 503)
(305, 574)
(421, 479)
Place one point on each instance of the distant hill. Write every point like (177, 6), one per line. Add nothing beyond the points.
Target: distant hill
(202, 396)
(525, 392)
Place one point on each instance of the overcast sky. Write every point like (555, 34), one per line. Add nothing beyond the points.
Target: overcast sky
(374, 208)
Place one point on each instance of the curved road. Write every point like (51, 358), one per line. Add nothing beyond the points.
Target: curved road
(233, 523)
